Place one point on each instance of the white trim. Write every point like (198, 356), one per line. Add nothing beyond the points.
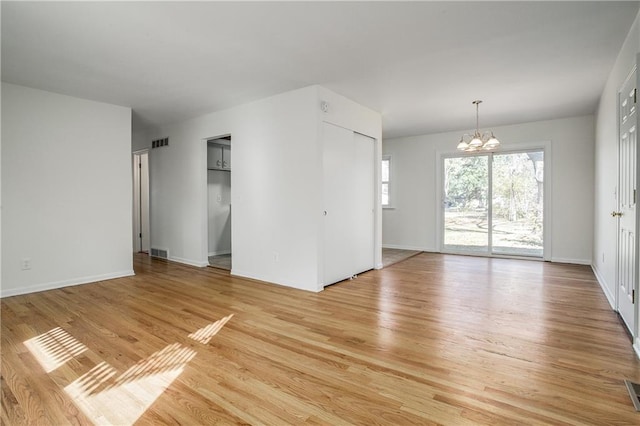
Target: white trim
(634, 327)
(188, 261)
(294, 285)
(636, 259)
(573, 261)
(66, 283)
(439, 200)
(404, 247)
(547, 199)
(219, 252)
(605, 289)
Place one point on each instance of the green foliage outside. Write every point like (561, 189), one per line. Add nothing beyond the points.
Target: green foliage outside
(517, 200)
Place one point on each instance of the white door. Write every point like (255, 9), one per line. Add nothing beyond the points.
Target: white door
(348, 185)
(627, 194)
(363, 202)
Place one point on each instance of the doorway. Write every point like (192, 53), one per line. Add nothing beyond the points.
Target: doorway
(141, 228)
(493, 204)
(219, 202)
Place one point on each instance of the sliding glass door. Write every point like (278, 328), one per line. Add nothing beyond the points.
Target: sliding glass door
(493, 204)
(466, 204)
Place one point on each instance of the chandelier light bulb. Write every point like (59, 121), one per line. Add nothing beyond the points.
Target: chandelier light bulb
(492, 143)
(476, 142)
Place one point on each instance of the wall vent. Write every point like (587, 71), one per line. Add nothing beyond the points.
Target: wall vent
(161, 253)
(157, 143)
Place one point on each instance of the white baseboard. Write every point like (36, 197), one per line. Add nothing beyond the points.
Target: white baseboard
(242, 274)
(189, 262)
(65, 283)
(219, 252)
(573, 261)
(612, 302)
(403, 247)
(605, 288)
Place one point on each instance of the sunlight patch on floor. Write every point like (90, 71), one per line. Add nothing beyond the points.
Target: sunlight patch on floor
(54, 348)
(108, 401)
(205, 334)
(105, 397)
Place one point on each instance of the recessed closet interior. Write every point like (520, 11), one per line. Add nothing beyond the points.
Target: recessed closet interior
(219, 201)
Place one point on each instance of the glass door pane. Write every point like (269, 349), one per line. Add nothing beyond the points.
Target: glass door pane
(517, 203)
(466, 189)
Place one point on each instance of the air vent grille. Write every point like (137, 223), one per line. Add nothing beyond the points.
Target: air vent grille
(161, 253)
(157, 143)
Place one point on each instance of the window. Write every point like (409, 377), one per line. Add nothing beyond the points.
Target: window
(494, 204)
(386, 180)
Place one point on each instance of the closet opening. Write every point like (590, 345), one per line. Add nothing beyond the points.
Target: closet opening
(219, 202)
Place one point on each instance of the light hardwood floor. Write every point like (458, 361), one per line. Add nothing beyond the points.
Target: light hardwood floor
(435, 339)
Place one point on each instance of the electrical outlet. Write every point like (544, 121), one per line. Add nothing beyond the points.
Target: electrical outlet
(25, 264)
(602, 257)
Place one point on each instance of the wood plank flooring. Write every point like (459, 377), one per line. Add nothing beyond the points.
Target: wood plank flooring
(436, 339)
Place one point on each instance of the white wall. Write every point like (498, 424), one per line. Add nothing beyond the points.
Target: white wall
(276, 181)
(139, 140)
(412, 223)
(219, 218)
(606, 178)
(346, 113)
(606, 165)
(66, 190)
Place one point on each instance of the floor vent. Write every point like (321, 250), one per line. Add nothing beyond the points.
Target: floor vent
(634, 393)
(161, 253)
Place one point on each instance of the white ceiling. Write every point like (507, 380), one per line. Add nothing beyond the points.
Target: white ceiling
(418, 63)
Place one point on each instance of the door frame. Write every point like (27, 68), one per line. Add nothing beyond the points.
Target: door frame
(204, 143)
(635, 331)
(544, 146)
(137, 211)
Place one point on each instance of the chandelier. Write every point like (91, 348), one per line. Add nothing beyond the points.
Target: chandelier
(478, 141)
